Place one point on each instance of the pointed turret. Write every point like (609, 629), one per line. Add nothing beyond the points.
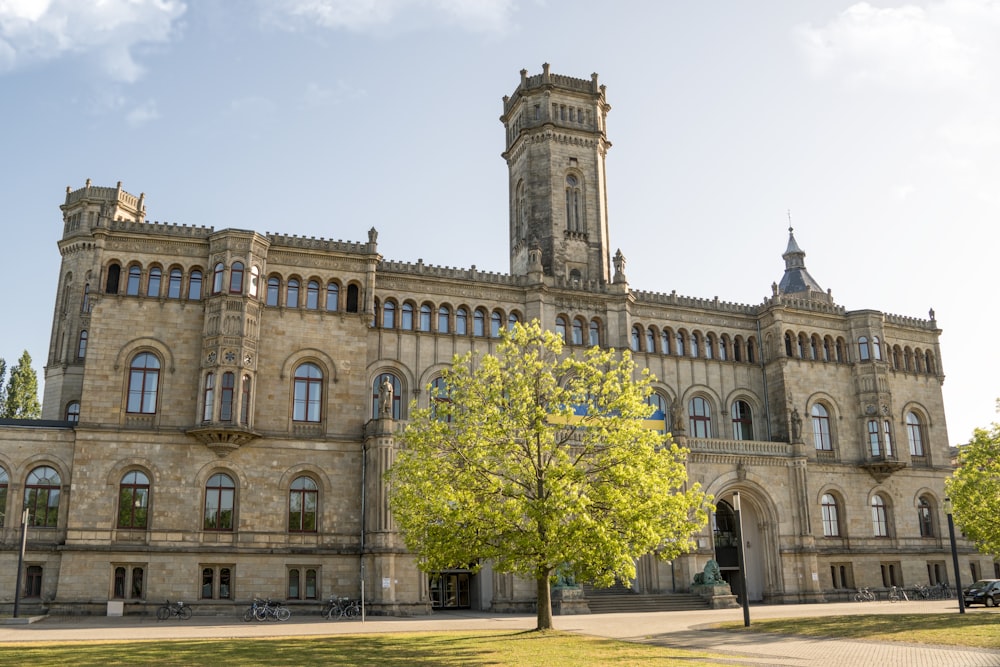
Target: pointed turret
(796, 279)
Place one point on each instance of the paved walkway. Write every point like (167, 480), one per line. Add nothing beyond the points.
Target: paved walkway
(689, 630)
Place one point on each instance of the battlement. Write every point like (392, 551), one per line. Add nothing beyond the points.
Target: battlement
(431, 270)
(912, 322)
(314, 243)
(95, 194)
(548, 80)
(674, 299)
(162, 228)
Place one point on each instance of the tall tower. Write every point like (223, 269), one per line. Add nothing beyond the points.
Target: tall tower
(555, 150)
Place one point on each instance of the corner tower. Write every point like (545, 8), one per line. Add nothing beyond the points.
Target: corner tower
(555, 150)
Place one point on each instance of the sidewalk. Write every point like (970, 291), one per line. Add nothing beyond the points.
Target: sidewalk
(688, 630)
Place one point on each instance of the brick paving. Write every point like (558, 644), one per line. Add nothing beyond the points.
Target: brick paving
(689, 630)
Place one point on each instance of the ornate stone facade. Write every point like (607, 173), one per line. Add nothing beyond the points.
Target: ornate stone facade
(221, 405)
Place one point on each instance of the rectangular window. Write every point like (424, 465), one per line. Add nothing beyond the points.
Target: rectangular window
(33, 581)
(842, 575)
(302, 583)
(128, 581)
(216, 582)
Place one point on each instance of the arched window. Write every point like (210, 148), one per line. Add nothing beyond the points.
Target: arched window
(217, 278)
(814, 347)
(352, 298)
(887, 433)
(595, 333)
(143, 384)
(751, 346)
(397, 387)
(928, 362)
(738, 348)
(134, 276)
(194, 286)
(874, 442)
(925, 517)
(841, 351)
(41, 497)
(153, 283)
(680, 344)
(573, 213)
(880, 517)
(220, 502)
(85, 305)
(133, 500)
(636, 337)
(462, 322)
(699, 418)
(876, 348)
(660, 413)
(81, 347)
(245, 400)
(308, 400)
(332, 296)
(389, 315)
(803, 347)
(444, 319)
(440, 396)
(406, 317)
(710, 346)
(577, 332)
(236, 278)
(520, 213)
(827, 349)
(831, 516)
(72, 415)
(788, 344)
(4, 485)
(742, 421)
(226, 397)
(512, 319)
(292, 293)
(664, 341)
(650, 340)
(425, 317)
(863, 353)
(914, 433)
(174, 284)
(312, 295)
(209, 404)
(694, 344)
(303, 505)
(479, 322)
(821, 428)
(114, 275)
(496, 323)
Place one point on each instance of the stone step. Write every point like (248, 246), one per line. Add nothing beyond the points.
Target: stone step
(607, 603)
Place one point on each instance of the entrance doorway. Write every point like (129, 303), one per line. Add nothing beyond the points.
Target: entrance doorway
(726, 545)
(450, 589)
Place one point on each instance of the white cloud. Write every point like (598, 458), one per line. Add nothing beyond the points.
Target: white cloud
(33, 31)
(933, 46)
(363, 15)
(318, 95)
(142, 114)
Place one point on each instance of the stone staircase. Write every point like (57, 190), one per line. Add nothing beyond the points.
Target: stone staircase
(619, 599)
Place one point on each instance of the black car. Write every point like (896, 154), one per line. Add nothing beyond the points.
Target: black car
(985, 592)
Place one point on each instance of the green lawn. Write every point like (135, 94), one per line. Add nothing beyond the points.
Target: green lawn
(520, 649)
(977, 630)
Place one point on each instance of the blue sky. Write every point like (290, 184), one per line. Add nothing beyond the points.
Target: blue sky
(876, 124)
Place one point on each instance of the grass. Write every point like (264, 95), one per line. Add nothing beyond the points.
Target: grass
(980, 630)
(513, 649)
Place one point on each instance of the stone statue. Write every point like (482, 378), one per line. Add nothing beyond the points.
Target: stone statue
(796, 425)
(677, 416)
(385, 398)
(711, 575)
(372, 235)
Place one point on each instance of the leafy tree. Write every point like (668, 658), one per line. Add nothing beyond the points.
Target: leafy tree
(974, 489)
(21, 400)
(541, 463)
(3, 390)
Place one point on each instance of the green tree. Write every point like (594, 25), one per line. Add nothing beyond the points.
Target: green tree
(21, 400)
(974, 489)
(541, 464)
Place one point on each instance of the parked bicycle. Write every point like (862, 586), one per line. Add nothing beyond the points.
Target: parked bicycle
(865, 595)
(897, 594)
(336, 608)
(919, 592)
(169, 610)
(266, 610)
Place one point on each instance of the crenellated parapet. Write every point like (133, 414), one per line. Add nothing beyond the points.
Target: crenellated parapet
(314, 243)
(674, 299)
(429, 270)
(161, 228)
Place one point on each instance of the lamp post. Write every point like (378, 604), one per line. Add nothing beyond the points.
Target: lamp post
(954, 556)
(744, 597)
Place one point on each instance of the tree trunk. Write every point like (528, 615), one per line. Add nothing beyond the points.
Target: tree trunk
(544, 603)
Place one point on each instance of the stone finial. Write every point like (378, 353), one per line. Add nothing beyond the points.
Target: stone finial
(930, 314)
(619, 261)
(373, 235)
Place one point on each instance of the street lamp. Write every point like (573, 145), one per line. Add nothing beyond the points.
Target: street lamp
(954, 556)
(20, 560)
(743, 561)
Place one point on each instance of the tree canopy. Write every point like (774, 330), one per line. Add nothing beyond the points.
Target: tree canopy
(20, 399)
(541, 463)
(974, 489)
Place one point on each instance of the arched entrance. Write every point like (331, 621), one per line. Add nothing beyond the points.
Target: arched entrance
(726, 545)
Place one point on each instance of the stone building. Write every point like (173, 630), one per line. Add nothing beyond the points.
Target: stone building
(213, 427)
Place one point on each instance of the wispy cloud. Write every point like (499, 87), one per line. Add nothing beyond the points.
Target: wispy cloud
(142, 114)
(319, 95)
(484, 16)
(33, 31)
(928, 47)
